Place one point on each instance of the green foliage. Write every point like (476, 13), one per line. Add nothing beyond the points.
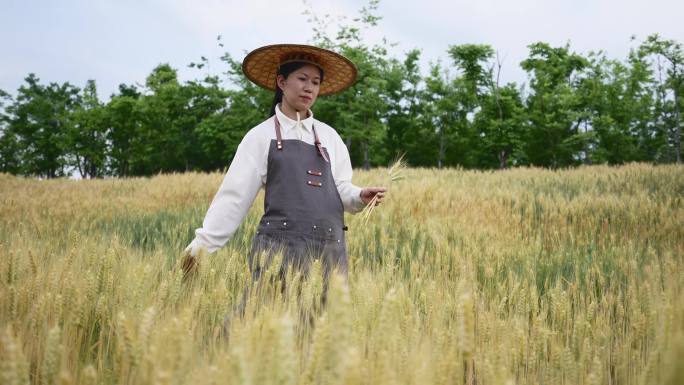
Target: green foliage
(577, 109)
(501, 124)
(9, 147)
(554, 109)
(87, 138)
(406, 112)
(613, 98)
(123, 118)
(668, 53)
(38, 123)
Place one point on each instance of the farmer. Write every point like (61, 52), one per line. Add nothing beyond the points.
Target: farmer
(302, 164)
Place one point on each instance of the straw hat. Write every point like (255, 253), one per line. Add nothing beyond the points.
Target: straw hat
(261, 65)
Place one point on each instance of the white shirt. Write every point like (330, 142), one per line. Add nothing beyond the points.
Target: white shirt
(247, 175)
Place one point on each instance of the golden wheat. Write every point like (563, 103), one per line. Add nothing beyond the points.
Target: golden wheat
(520, 276)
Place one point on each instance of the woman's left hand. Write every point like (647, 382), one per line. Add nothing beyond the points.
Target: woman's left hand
(368, 193)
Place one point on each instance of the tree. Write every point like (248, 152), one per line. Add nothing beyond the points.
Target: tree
(498, 113)
(554, 108)
(406, 128)
(159, 144)
(9, 147)
(617, 108)
(41, 117)
(641, 89)
(86, 139)
(445, 118)
(205, 116)
(672, 52)
(122, 118)
(501, 124)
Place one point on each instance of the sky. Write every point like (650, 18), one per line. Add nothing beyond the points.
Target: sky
(121, 41)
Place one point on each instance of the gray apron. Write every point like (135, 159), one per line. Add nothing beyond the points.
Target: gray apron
(303, 216)
(303, 213)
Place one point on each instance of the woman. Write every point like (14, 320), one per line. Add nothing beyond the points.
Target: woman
(302, 164)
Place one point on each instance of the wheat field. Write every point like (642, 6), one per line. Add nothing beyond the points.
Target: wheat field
(525, 276)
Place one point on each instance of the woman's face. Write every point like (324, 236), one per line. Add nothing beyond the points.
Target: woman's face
(301, 87)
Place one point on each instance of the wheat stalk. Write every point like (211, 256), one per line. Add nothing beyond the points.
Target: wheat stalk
(395, 173)
(13, 366)
(51, 360)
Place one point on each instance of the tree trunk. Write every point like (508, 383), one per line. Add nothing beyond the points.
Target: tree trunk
(81, 166)
(496, 89)
(678, 143)
(503, 156)
(442, 149)
(366, 161)
(93, 170)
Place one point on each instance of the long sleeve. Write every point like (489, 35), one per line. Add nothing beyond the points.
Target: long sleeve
(232, 201)
(350, 194)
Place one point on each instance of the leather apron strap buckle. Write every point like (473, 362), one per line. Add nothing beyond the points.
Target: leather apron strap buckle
(320, 148)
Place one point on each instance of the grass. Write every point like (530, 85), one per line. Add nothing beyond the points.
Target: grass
(525, 276)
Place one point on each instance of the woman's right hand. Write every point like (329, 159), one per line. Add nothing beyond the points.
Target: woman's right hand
(189, 263)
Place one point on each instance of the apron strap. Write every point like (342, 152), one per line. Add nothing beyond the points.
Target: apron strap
(317, 141)
(279, 138)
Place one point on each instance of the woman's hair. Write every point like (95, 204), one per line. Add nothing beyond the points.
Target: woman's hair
(285, 70)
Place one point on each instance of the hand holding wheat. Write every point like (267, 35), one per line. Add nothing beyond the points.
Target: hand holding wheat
(189, 263)
(373, 196)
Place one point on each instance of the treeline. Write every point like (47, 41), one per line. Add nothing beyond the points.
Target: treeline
(576, 109)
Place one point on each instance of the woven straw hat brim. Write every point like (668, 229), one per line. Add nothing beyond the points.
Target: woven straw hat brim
(261, 66)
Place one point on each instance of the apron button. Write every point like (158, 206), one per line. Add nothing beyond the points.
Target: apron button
(338, 241)
(284, 223)
(268, 223)
(330, 230)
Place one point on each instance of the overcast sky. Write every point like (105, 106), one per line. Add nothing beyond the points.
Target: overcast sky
(121, 41)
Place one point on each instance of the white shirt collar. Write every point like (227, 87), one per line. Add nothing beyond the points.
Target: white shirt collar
(287, 124)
